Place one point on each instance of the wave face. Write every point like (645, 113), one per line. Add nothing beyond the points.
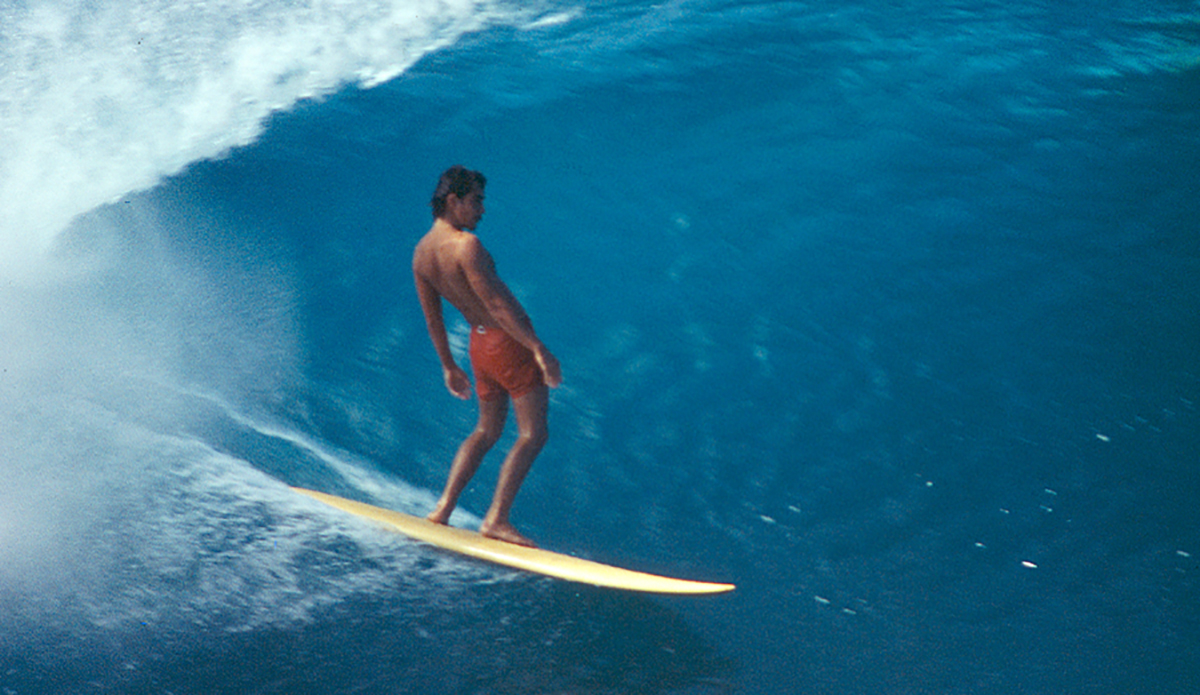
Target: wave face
(884, 312)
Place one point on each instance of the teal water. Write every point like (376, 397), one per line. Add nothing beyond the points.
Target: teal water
(885, 313)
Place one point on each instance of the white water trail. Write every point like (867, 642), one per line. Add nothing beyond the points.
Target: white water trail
(111, 511)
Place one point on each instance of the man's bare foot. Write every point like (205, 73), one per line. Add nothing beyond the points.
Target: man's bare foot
(505, 532)
(439, 516)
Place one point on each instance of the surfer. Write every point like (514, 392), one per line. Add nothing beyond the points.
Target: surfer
(508, 359)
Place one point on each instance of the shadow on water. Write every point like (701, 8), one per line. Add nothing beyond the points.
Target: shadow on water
(533, 636)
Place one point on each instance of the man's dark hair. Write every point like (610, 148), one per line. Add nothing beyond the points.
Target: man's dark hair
(458, 180)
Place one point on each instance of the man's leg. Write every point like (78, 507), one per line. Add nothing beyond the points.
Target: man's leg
(531, 410)
(470, 454)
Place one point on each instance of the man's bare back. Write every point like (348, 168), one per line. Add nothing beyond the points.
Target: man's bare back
(451, 263)
(438, 259)
(457, 267)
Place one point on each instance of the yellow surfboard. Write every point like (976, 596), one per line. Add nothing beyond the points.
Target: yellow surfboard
(535, 560)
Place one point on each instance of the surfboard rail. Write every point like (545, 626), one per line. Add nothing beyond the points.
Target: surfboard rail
(536, 560)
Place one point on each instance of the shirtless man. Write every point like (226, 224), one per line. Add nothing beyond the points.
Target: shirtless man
(507, 357)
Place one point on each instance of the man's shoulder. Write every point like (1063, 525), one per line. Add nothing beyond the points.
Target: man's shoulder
(439, 248)
(440, 236)
(467, 247)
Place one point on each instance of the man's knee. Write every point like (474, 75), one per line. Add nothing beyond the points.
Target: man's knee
(488, 434)
(535, 435)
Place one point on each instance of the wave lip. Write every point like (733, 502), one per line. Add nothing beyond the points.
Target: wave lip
(101, 100)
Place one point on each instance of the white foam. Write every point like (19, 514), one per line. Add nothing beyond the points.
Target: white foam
(98, 100)
(356, 473)
(553, 20)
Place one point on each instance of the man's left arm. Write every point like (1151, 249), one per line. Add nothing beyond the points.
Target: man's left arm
(505, 310)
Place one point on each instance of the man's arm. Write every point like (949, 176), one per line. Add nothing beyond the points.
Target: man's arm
(431, 304)
(504, 308)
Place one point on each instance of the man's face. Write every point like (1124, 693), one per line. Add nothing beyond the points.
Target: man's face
(465, 212)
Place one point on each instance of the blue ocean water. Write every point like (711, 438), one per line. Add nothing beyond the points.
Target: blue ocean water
(886, 312)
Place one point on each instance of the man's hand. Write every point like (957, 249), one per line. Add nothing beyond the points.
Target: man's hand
(457, 382)
(551, 371)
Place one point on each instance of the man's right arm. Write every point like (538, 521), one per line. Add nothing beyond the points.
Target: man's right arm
(431, 305)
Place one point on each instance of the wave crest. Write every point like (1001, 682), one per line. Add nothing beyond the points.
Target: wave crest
(100, 100)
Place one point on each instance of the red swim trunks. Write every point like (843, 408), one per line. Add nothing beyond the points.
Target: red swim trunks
(502, 365)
